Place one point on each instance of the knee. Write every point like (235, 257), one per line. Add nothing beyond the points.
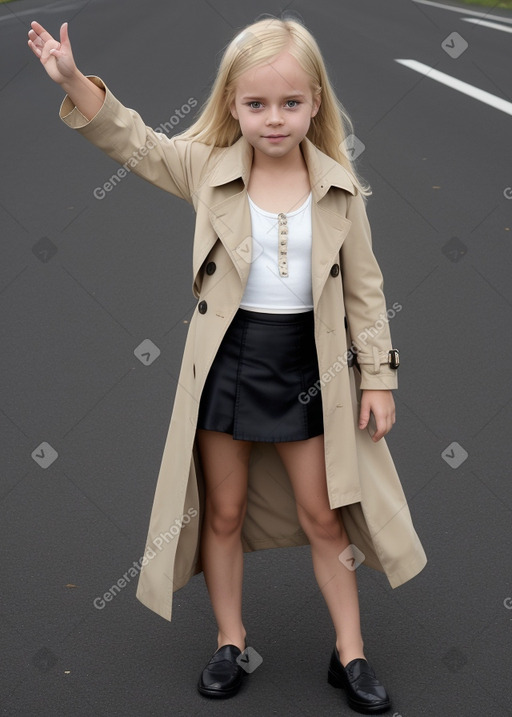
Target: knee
(322, 525)
(225, 520)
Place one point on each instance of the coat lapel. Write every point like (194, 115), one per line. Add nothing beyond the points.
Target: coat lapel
(329, 225)
(231, 219)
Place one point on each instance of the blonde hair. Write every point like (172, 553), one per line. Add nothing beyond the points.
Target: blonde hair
(254, 45)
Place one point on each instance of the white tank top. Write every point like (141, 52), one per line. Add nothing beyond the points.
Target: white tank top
(280, 274)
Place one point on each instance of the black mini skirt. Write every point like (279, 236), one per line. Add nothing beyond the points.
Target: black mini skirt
(257, 386)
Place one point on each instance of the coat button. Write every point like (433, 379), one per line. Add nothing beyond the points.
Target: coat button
(203, 307)
(210, 267)
(335, 270)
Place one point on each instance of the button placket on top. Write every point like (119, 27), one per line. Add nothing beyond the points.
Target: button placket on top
(282, 224)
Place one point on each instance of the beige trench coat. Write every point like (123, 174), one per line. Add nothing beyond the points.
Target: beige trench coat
(348, 301)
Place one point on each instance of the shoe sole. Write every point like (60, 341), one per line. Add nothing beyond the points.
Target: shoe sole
(216, 694)
(336, 681)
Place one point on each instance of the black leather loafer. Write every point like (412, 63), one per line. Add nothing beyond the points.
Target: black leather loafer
(365, 694)
(223, 675)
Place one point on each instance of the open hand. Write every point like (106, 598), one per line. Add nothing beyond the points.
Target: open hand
(56, 57)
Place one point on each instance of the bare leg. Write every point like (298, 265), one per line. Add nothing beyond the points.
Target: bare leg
(225, 468)
(305, 464)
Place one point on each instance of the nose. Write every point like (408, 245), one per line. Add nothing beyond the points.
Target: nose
(274, 115)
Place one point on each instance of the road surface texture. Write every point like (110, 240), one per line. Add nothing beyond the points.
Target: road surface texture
(88, 274)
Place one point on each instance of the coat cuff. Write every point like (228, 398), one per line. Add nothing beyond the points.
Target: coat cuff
(72, 116)
(385, 379)
(376, 373)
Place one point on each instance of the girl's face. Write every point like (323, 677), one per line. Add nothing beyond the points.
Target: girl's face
(274, 104)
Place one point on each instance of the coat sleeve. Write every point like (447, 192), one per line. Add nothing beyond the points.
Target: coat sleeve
(365, 304)
(122, 134)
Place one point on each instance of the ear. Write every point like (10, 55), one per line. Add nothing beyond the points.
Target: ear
(317, 100)
(232, 109)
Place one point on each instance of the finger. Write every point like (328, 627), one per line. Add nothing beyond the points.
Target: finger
(35, 39)
(36, 28)
(40, 31)
(378, 435)
(384, 427)
(364, 416)
(381, 425)
(35, 50)
(48, 47)
(64, 37)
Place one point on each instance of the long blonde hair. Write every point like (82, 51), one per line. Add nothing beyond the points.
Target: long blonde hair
(255, 44)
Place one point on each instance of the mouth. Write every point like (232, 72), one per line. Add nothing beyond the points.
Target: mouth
(275, 136)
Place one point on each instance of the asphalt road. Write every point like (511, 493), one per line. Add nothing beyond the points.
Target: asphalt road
(83, 281)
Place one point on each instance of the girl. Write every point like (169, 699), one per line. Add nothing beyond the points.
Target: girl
(270, 442)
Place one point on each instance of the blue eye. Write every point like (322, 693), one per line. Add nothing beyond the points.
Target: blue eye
(257, 105)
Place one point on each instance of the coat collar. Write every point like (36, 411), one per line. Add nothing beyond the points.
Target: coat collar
(231, 220)
(324, 172)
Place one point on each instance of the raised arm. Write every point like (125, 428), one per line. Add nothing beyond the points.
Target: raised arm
(89, 107)
(57, 59)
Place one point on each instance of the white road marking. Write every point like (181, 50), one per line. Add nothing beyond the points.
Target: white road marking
(459, 85)
(464, 11)
(485, 23)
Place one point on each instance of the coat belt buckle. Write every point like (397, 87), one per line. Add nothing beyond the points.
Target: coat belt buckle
(393, 358)
(352, 358)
